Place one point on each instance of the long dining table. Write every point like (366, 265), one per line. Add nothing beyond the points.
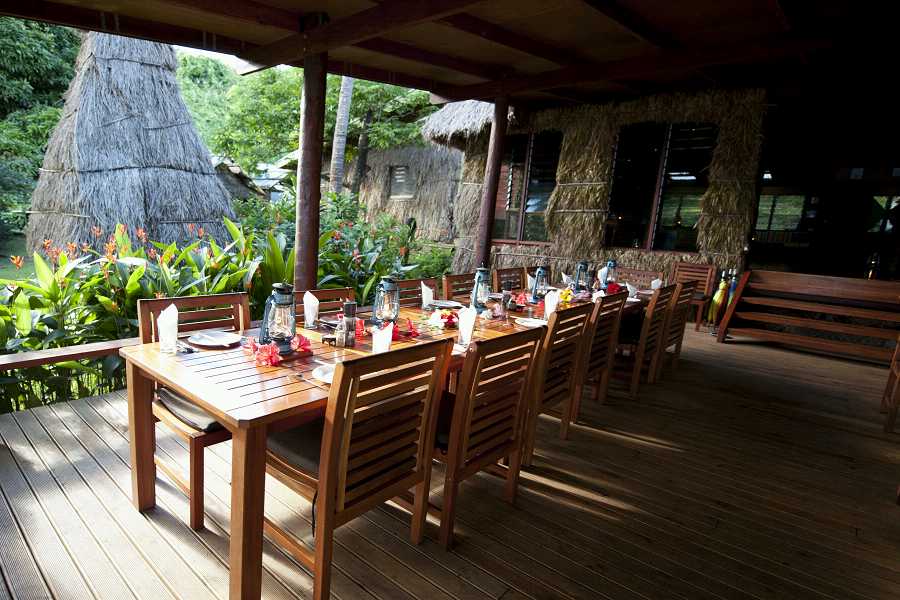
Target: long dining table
(250, 400)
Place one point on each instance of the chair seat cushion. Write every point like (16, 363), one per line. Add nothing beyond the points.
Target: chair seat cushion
(187, 411)
(299, 446)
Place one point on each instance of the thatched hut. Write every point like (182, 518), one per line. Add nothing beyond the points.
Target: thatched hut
(576, 219)
(414, 181)
(125, 151)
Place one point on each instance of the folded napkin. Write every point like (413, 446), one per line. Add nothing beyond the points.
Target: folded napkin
(427, 296)
(598, 295)
(656, 284)
(632, 291)
(567, 280)
(167, 329)
(310, 309)
(381, 338)
(467, 317)
(550, 302)
(530, 282)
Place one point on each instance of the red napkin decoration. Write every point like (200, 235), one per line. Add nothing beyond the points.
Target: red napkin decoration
(360, 329)
(411, 331)
(613, 288)
(522, 299)
(450, 318)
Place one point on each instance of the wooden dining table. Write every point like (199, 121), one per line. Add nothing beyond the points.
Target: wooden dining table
(249, 401)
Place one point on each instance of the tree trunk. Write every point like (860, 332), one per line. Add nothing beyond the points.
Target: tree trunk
(362, 154)
(339, 144)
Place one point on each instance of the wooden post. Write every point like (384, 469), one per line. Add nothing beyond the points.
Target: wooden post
(309, 172)
(491, 182)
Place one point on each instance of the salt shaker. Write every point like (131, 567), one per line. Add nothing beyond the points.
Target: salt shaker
(348, 325)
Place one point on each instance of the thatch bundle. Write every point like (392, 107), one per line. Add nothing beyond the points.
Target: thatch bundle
(579, 204)
(435, 170)
(456, 122)
(125, 151)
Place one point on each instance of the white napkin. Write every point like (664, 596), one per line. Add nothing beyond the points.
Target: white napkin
(310, 309)
(597, 295)
(632, 291)
(567, 280)
(467, 318)
(530, 282)
(656, 284)
(427, 296)
(381, 338)
(167, 329)
(550, 302)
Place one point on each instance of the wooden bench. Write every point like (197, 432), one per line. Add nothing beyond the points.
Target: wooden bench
(832, 315)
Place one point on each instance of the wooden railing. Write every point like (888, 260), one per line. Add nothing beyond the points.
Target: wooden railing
(50, 356)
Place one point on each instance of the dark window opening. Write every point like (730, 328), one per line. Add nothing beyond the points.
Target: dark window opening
(400, 182)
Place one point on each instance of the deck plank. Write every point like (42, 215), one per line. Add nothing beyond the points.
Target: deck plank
(753, 473)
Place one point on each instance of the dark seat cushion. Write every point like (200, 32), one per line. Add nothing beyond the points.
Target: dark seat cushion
(300, 446)
(187, 411)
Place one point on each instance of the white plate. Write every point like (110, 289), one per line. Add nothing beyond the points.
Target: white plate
(527, 322)
(325, 373)
(215, 339)
(446, 304)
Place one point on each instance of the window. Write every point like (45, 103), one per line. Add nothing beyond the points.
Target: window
(400, 182)
(779, 213)
(527, 178)
(660, 173)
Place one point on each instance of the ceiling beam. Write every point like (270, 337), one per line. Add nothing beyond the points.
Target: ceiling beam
(640, 67)
(108, 22)
(413, 53)
(634, 23)
(361, 26)
(339, 67)
(246, 11)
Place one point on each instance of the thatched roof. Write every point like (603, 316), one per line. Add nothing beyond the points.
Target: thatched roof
(125, 151)
(455, 122)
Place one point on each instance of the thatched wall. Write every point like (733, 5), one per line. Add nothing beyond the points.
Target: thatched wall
(579, 203)
(435, 170)
(125, 151)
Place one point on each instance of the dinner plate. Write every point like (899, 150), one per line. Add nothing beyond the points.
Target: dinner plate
(529, 322)
(215, 339)
(446, 304)
(325, 373)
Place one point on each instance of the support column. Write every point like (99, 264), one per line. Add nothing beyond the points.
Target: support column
(491, 182)
(309, 172)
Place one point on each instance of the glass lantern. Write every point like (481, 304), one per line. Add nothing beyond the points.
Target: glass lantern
(279, 322)
(607, 274)
(539, 290)
(581, 271)
(481, 289)
(387, 302)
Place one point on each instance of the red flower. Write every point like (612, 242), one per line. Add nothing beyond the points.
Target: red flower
(450, 318)
(404, 250)
(47, 244)
(413, 330)
(522, 299)
(85, 247)
(72, 248)
(160, 295)
(17, 260)
(336, 235)
(152, 253)
(97, 231)
(191, 227)
(251, 346)
(300, 344)
(266, 354)
(201, 232)
(140, 234)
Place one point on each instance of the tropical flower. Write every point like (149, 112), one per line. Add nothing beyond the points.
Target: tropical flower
(191, 227)
(160, 294)
(110, 250)
(201, 232)
(18, 261)
(47, 244)
(72, 248)
(152, 253)
(120, 229)
(85, 247)
(140, 234)
(97, 231)
(300, 344)
(266, 354)
(53, 253)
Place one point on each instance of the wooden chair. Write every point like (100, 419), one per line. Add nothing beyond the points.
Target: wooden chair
(891, 397)
(375, 442)
(705, 276)
(459, 287)
(638, 278)
(187, 420)
(603, 333)
(331, 301)
(411, 291)
(642, 361)
(673, 332)
(559, 370)
(514, 278)
(482, 423)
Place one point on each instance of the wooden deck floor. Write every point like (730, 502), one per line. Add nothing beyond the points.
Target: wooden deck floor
(753, 472)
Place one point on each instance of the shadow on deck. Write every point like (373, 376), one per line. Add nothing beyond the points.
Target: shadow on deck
(753, 472)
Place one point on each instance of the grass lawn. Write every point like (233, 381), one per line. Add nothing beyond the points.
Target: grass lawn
(14, 246)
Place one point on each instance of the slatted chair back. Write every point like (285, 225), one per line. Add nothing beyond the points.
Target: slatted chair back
(704, 275)
(891, 397)
(653, 331)
(673, 330)
(378, 437)
(458, 287)
(604, 328)
(638, 278)
(411, 291)
(512, 279)
(492, 398)
(230, 312)
(331, 301)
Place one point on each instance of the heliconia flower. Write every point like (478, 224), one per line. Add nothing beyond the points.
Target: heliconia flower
(85, 247)
(72, 248)
(120, 229)
(404, 250)
(160, 295)
(18, 261)
(191, 227)
(140, 234)
(152, 253)
(97, 231)
(201, 232)
(300, 344)
(47, 244)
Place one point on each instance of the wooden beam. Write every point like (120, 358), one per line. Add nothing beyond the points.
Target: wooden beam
(640, 67)
(246, 11)
(491, 183)
(364, 25)
(632, 22)
(306, 240)
(454, 63)
(108, 22)
(338, 67)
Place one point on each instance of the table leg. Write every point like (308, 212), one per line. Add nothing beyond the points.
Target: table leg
(142, 434)
(248, 479)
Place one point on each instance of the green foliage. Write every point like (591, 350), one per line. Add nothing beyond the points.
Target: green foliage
(204, 83)
(260, 216)
(432, 261)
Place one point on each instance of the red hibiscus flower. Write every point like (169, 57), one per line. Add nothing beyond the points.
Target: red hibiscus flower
(300, 344)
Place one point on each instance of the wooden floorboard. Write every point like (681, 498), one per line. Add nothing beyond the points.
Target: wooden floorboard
(751, 473)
